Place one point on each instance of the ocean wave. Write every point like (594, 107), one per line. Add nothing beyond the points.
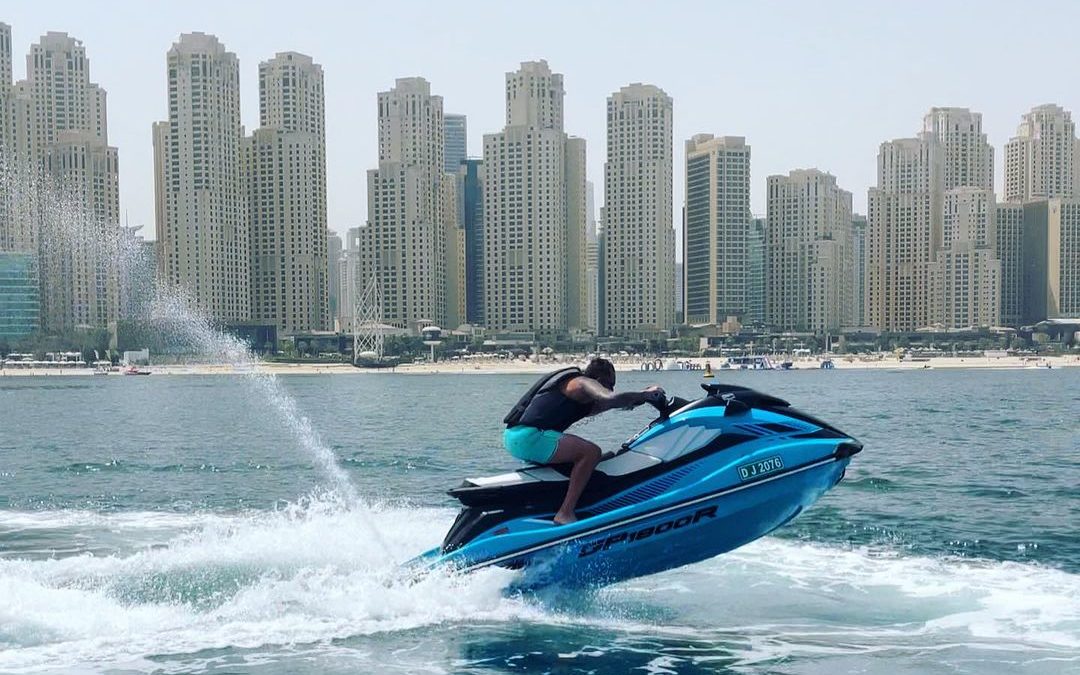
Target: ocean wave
(316, 573)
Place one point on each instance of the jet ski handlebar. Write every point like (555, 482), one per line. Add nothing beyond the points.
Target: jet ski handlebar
(662, 403)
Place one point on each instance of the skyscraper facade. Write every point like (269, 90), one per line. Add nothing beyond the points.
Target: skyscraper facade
(640, 239)
(7, 114)
(967, 273)
(967, 158)
(471, 205)
(454, 235)
(1041, 160)
(756, 240)
(592, 262)
(55, 138)
(717, 223)
(903, 226)
(404, 240)
(1051, 275)
(858, 269)
(202, 229)
(455, 140)
(533, 221)
(335, 252)
(1009, 243)
(575, 171)
(20, 302)
(284, 179)
(808, 258)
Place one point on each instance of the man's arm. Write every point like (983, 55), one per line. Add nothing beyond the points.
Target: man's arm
(587, 390)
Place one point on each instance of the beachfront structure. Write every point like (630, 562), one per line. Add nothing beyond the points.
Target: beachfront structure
(808, 258)
(284, 180)
(903, 225)
(716, 225)
(404, 240)
(1041, 160)
(534, 211)
(455, 142)
(202, 224)
(640, 251)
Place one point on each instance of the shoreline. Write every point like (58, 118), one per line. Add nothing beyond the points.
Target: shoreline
(504, 367)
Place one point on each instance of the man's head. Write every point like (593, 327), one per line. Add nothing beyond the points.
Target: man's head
(602, 371)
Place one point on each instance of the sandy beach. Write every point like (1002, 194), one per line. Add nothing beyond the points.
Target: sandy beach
(504, 366)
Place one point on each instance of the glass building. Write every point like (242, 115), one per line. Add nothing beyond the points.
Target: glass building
(20, 303)
(471, 201)
(455, 143)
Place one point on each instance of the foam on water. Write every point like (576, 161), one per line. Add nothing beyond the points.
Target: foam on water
(309, 573)
(303, 574)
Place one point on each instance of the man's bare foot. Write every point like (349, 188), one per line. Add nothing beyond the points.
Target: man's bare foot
(563, 519)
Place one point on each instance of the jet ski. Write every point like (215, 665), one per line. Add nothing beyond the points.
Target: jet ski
(705, 477)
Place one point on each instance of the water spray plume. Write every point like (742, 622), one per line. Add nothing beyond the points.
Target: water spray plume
(52, 219)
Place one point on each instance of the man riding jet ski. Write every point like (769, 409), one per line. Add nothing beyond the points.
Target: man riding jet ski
(536, 426)
(703, 478)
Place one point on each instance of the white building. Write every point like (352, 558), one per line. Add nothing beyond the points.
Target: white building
(1040, 161)
(60, 185)
(404, 240)
(639, 237)
(716, 228)
(284, 177)
(968, 159)
(903, 229)
(455, 142)
(967, 282)
(967, 273)
(808, 253)
(202, 225)
(534, 211)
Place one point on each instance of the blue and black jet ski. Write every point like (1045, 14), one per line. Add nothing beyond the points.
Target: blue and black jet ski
(705, 477)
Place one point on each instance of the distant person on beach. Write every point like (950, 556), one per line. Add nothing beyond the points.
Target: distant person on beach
(535, 428)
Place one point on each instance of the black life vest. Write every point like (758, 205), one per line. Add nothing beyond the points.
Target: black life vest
(544, 384)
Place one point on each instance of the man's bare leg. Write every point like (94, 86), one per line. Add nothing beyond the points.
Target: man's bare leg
(584, 455)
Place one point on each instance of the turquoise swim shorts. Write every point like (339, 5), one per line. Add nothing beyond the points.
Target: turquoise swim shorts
(530, 444)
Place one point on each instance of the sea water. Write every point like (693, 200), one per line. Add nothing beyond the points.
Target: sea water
(220, 524)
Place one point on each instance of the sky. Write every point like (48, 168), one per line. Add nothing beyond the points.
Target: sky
(809, 84)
